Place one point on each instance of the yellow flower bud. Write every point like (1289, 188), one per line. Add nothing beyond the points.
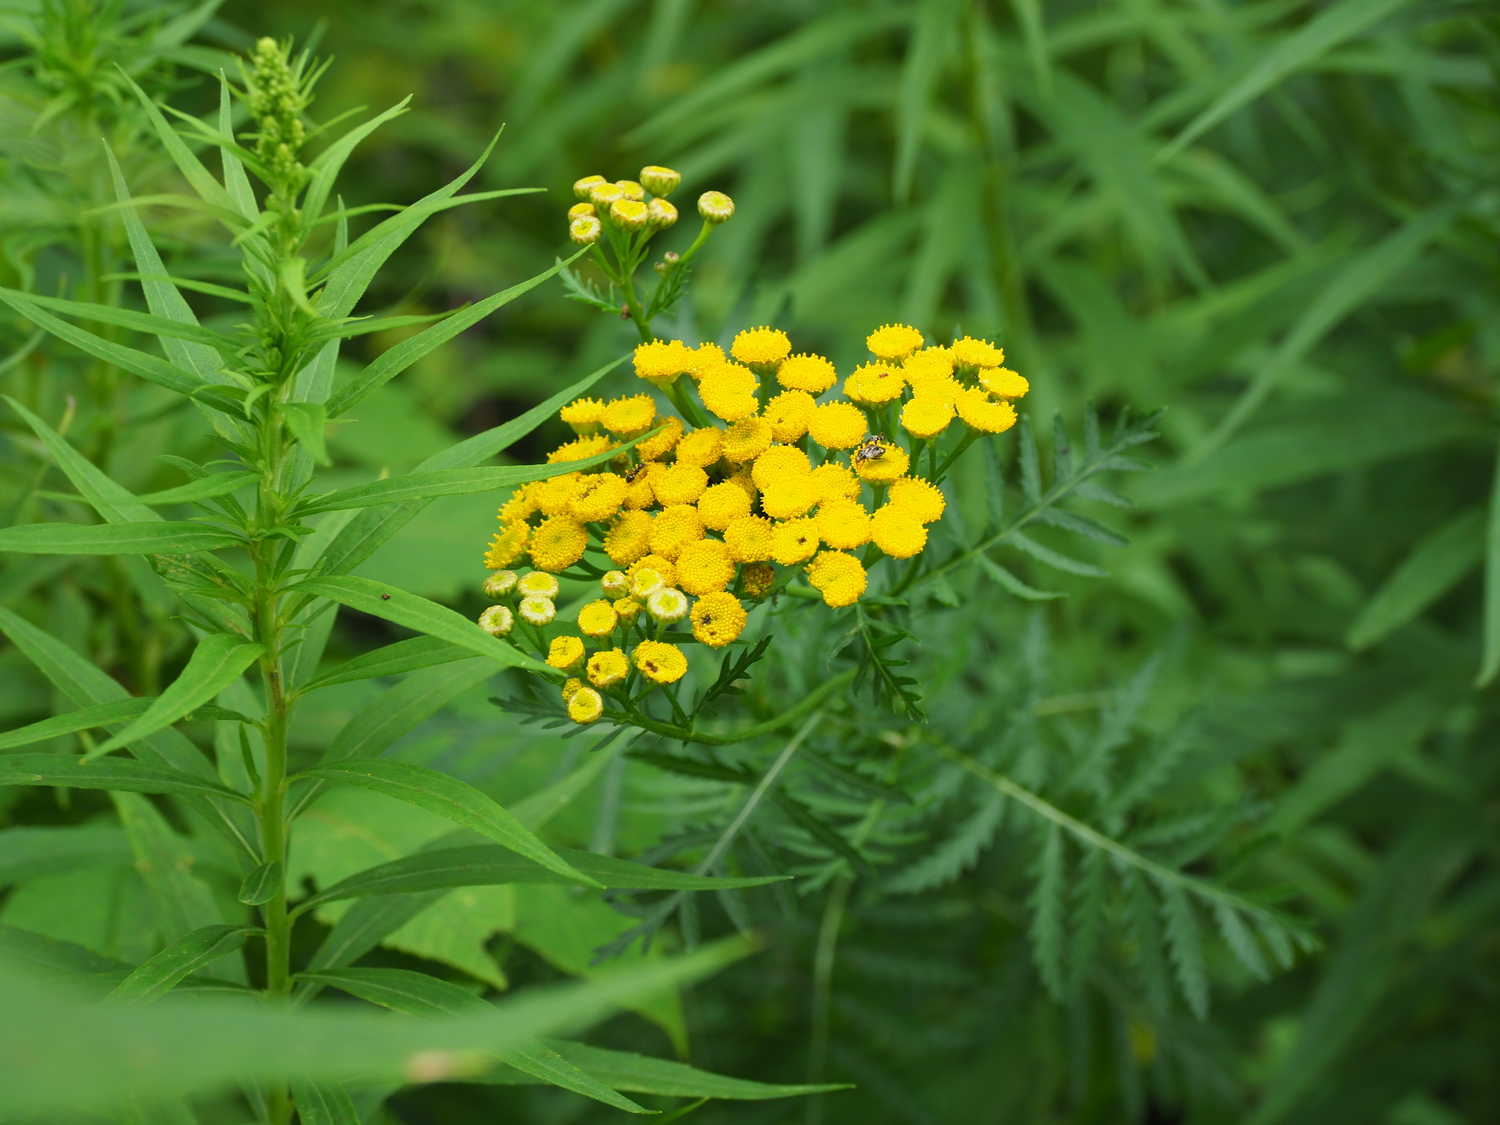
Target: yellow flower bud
(631, 214)
(602, 194)
(580, 209)
(715, 207)
(632, 190)
(581, 188)
(661, 213)
(660, 181)
(585, 230)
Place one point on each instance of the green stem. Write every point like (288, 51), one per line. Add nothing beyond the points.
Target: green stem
(969, 438)
(823, 962)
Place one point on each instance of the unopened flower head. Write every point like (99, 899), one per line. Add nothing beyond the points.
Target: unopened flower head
(581, 209)
(497, 621)
(614, 584)
(660, 214)
(566, 653)
(585, 706)
(647, 581)
(597, 619)
(537, 611)
(631, 190)
(715, 207)
(538, 584)
(628, 609)
(584, 188)
(585, 230)
(603, 194)
(500, 583)
(629, 214)
(660, 181)
(667, 606)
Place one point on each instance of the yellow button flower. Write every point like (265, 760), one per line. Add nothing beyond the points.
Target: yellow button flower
(582, 188)
(553, 496)
(811, 373)
(701, 447)
(921, 498)
(558, 543)
(761, 347)
(789, 497)
(630, 416)
(597, 619)
(893, 341)
(749, 539)
(835, 481)
(614, 584)
(837, 425)
(585, 706)
(631, 190)
(608, 668)
(585, 230)
(706, 356)
(779, 462)
(681, 484)
(659, 444)
(604, 193)
(588, 445)
(566, 653)
(794, 541)
(538, 584)
(639, 492)
(741, 479)
(660, 362)
(659, 662)
(508, 546)
(926, 416)
(838, 577)
(704, 567)
(627, 608)
(984, 415)
(676, 527)
(664, 568)
(747, 439)
(930, 363)
(630, 214)
(788, 413)
(1002, 382)
(519, 507)
(597, 497)
(756, 580)
(728, 391)
(874, 384)
(843, 524)
(970, 352)
(897, 532)
(890, 465)
(571, 687)
(718, 619)
(721, 503)
(628, 538)
(583, 415)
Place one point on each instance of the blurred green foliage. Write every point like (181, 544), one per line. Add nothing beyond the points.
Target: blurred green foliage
(1277, 219)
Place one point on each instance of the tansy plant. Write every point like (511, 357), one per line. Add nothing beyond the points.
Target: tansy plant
(259, 571)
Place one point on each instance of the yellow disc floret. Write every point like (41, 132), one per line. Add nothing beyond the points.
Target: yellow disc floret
(794, 541)
(597, 497)
(630, 416)
(749, 539)
(566, 653)
(983, 414)
(893, 341)
(608, 668)
(835, 481)
(590, 445)
(597, 619)
(728, 391)
(701, 447)
(629, 538)
(718, 619)
(660, 362)
(722, 503)
(747, 439)
(664, 568)
(843, 524)
(681, 484)
(810, 373)
(837, 425)
(659, 662)
(921, 498)
(789, 497)
(558, 543)
(838, 577)
(970, 352)
(662, 442)
(874, 384)
(676, 527)
(1002, 382)
(778, 463)
(897, 532)
(757, 579)
(926, 416)
(887, 467)
(788, 413)
(761, 347)
(508, 545)
(704, 567)
(583, 415)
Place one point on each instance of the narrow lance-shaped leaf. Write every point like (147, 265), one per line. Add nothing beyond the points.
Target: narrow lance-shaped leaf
(159, 538)
(1429, 572)
(87, 718)
(392, 660)
(121, 774)
(145, 323)
(449, 797)
(1490, 661)
(185, 955)
(114, 502)
(216, 663)
(323, 1103)
(218, 484)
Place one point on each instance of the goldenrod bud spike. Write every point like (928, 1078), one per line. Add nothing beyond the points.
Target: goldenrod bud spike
(715, 207)
(660, 181)
(581, 188)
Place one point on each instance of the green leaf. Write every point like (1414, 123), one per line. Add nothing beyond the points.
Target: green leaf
(325, 169)
(1186, 944)
(641, 1074)
(487, 865)
(145, 323)
(112, 501)
(1425, 575)
(185, 955)
(148, 538)
(1009, 582)
(399, 710)
(397, 359)
(445, 482)
(45, 956)
(28, 853)
(416, 994)
(219, 484)
(391, 660)
(216, 663)
(367, 531)
(449, 797)
(306, 420)
(1333, 25)
(189, 165)
(87, 718)
(1054, 559)
(380, 600)
(323, 1103)
(1490, 662)
(122, 774)
(261, 885)
(931, 43)
(365, 924)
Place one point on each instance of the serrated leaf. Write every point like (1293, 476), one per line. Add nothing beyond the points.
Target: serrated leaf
(121, 774)
(1072, 521)
(1053, 558)
(1186, 944)
(216, 663)
(161, 537)
(1240, 940)
(1010, 583)
(1048, 905)
(449, 797)
(185, 955)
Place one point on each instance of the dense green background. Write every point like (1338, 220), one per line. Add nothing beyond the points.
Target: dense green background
(1308, 282)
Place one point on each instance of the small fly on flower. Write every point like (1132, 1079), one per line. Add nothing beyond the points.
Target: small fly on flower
(871, 449)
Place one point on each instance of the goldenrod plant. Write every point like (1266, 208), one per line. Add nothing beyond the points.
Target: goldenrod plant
(258, 573)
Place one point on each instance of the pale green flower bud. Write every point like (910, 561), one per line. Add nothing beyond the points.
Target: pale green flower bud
(661, 214)
(630, 214)
(497, 621)
(585, 230)
(715, 207)
(581, 188)
(660, 181)
(499, 583)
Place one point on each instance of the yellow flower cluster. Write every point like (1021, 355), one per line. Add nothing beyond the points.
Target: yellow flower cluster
(701, 520)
